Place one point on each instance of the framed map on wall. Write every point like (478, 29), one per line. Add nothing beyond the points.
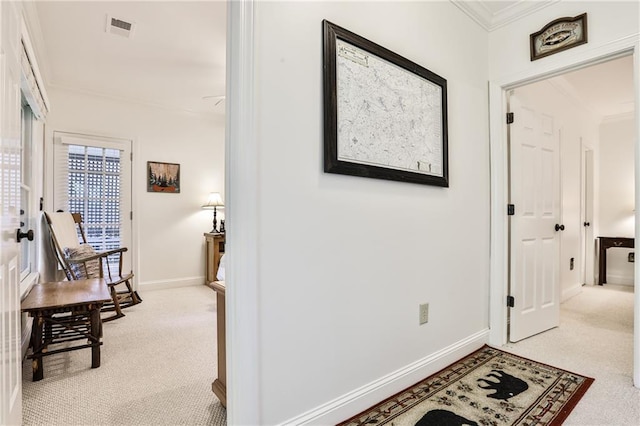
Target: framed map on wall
(385, 117)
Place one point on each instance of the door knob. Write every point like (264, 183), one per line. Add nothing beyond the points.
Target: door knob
(559, 227)
(586, 224)
(20, 235)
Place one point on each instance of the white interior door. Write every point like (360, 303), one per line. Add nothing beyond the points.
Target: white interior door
(10, 333)
(534, 171)
(588, 246)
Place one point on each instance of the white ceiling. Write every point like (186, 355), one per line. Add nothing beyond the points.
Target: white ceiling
(174, 59)
(606, 89)
(177, 54)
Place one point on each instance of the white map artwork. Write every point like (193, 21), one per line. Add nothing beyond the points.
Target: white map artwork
(387, 116)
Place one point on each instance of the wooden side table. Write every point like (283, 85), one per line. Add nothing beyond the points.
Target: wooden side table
(605, 243)
(219, 385)
(63, 312)
(214, 250)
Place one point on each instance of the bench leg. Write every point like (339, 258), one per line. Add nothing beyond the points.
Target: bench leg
(36, 339)
(95, 333)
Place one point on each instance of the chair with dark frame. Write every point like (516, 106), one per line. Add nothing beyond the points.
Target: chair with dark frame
(79, 260)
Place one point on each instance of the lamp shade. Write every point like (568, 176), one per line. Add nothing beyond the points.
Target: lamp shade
(215, 200)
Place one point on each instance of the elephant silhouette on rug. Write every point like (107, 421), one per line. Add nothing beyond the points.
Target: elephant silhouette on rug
(444, 418)
(505, 387)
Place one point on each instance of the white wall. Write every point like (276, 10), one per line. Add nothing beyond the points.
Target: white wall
(576, 126)
(617, 201)
(609, 22)
(169, 242)
(345, 261)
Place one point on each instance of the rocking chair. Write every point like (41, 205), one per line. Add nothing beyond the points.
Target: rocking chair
(80, 261)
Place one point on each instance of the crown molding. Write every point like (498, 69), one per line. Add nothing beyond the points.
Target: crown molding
(615, 118)
(476, 11)
(140, 102)
(563, 86)
(483, 16)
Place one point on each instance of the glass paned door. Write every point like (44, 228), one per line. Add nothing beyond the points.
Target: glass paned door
(27, 250)
(93, 178)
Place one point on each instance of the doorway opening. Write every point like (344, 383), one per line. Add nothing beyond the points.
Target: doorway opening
(92, 177)
(572, 179)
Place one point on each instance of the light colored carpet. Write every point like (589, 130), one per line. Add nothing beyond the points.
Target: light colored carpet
(158, 363)
(595, 338)
(157, 366)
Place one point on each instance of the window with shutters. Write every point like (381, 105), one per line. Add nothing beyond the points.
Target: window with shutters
(94, 192)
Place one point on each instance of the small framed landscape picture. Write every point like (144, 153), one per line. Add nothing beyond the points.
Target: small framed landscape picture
(163, 177)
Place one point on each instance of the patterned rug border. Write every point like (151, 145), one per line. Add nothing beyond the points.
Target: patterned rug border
(557, 420)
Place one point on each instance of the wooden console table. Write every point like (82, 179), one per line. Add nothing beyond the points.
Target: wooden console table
(605, 243)
(213, 252)
(219, 385)
(64, 312)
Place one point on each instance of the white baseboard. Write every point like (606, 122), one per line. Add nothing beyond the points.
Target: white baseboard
(619, 279)
(360, 399)
(174, 283)
(570, 292)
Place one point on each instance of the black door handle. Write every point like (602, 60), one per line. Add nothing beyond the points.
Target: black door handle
(559, 227)
(586, 224)
(20, 235)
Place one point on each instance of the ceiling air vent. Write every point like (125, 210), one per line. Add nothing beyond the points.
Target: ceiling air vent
(120, 27)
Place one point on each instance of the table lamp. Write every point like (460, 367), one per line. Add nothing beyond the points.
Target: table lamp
(214, 201)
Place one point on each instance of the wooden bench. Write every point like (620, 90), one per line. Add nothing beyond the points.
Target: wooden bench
(63, 312)
(219, 386)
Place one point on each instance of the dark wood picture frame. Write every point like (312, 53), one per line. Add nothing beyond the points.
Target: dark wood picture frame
(163, 177)
(420, 157)
(558, 35)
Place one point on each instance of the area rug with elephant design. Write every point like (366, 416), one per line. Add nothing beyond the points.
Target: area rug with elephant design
(489, 387)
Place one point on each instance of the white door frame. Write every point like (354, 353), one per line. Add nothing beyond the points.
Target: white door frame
(586, 187)
(49, 173)
(499, 178)
(242, 207)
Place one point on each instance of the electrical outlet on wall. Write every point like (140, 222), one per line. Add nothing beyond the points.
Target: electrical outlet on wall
(631, 257)
(424, 313)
